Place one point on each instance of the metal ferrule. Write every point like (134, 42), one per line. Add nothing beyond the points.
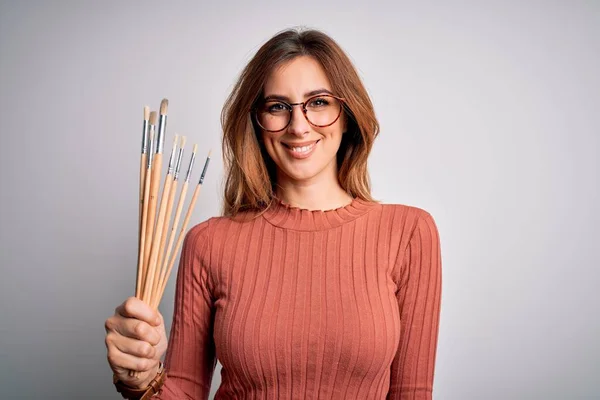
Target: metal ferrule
(172, 159)
(162, 127)
(204, 171)
(145, 137)
(150, 146)
(178, 164)
(189, 171)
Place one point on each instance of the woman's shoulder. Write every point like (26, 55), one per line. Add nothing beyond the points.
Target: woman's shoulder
(407, 217)
(214, 225)
(410, 211)
(410, 221)
(212, 233)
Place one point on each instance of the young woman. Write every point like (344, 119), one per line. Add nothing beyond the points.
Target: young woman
(306, 288)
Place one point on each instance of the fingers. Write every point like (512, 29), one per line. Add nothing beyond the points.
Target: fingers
(135, 340)
(133, 328)
(118, 359)
(134, 347)
(136, 308)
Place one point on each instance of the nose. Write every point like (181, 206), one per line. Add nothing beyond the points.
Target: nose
(298, 126)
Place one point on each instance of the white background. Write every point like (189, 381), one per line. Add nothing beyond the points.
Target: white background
(490, 121)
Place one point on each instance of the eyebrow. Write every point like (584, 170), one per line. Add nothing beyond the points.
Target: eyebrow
(306, 95)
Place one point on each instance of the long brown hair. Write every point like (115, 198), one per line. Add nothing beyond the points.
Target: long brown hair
(250, 172)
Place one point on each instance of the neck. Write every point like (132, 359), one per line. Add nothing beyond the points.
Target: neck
(322, 192)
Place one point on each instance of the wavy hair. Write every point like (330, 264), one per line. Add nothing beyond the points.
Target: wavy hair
(250, 172)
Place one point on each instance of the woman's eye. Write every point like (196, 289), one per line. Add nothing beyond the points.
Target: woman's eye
(318, 102)
(276, 107)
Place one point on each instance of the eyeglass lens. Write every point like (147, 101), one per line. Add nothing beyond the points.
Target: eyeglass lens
(322, 110)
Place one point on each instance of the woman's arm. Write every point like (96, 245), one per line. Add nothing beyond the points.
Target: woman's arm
(419, 298)
(191, 357)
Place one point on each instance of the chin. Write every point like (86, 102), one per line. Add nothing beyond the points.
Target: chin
(300, 174)
(307, 171)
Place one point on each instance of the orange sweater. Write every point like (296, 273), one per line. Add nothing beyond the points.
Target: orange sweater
(299, 304)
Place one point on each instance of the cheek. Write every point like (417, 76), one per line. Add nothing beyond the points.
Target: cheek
(333, 136)
(268, 143)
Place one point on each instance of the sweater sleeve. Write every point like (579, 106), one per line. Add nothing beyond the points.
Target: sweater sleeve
(419, 298)
(191, 356)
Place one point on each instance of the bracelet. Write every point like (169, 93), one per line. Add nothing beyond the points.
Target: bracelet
(142, 394)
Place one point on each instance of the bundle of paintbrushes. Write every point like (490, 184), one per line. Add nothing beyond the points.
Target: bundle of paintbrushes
(156, 254)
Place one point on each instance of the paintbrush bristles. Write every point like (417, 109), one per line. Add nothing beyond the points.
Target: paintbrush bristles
(183, 139)
(209, 153)
(164, 104)
(195, 148)
(153, 118)
(146, 113)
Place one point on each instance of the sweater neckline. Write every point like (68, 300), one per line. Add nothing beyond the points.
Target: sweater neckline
(287, 216)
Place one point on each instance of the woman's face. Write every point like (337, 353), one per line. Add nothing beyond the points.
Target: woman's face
(302, 152)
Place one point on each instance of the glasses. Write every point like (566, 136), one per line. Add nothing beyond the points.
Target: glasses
(320, 111)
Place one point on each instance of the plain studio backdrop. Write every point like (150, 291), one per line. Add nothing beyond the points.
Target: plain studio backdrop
(490, 120)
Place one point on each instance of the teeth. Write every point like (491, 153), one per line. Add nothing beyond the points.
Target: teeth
(302, 149)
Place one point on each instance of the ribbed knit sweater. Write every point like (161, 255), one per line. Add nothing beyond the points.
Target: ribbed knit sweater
(301, 304)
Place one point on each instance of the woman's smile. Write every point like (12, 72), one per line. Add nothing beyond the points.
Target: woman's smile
(300, 150)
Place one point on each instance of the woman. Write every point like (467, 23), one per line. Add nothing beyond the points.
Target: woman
(306, 287)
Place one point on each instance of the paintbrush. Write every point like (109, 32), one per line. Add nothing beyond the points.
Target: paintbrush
(144, 220)
(184, 188)
(155, 182)
(182, 231)
(157, 238)
(168, 214)
(143, 269)
(144, 157)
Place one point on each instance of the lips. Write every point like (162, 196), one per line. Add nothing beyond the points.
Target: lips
(300, 149)
(299, 144)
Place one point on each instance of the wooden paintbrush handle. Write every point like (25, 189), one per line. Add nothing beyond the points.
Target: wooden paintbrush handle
(172, 236)
(154, 186)
(180, 238)
(142, 240)
(143, 168)
(147, 296)
(163, 241)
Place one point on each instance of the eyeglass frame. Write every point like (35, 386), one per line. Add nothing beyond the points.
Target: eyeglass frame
(290, 107)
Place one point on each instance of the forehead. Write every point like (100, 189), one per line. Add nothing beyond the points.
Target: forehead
(296, 77)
